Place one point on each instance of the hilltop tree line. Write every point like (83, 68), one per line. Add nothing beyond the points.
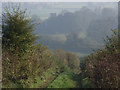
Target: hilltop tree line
(92, 27)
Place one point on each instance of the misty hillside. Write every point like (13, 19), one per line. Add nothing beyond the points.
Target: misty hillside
(67, 22)
(80, 31)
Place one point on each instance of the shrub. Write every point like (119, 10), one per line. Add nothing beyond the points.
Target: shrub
(21, 59)
(103, 66)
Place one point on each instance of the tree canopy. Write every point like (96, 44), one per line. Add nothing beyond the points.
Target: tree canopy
(17, 30)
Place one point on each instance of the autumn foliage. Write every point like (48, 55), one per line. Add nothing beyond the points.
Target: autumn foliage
(103, 66)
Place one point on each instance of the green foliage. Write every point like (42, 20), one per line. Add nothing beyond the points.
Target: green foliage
(17, 30)
(67, 60)
(86, 83)
(103, 66)
(28, 65)
(33, 65)
(40, 80)
(73, 62)
(21, 59)
(64, 80)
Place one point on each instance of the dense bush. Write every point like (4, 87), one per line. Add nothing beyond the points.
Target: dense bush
(21, 59)
(67, 59)
(34, 64)
(103, 66)
(17, 31)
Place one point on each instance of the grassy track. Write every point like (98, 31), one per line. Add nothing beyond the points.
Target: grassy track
(64, 80)
(70, 80)
(53, 79)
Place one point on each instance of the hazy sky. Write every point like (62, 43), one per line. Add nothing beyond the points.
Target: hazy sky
(59, 0)
(43, 9)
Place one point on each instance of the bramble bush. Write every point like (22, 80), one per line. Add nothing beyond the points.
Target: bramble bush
(103, 66)
(67, 60)
(21, 59)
